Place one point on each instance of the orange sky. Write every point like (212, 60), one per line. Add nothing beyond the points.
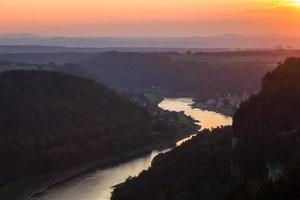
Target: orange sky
(149, 17)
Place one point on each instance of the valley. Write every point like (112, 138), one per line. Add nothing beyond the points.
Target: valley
(99, 183)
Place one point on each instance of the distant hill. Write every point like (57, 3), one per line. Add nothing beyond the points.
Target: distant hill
(50, 121)
(203, 75)
(68, 68)
(61, 49)
(200, 75)
(231, 41)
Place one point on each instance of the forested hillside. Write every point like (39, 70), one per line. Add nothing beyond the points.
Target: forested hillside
(200, 75)
(50, 121)
(264, 163)
(266, 158)
(198, 169)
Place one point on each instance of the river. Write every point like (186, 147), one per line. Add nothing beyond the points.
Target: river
(98, 184)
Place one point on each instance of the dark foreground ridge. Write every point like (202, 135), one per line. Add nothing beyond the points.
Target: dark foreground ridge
(198, 169)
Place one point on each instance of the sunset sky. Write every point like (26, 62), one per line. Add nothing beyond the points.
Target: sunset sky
(149, 17)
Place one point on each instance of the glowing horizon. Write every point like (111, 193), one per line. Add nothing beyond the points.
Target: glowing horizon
(149, 17)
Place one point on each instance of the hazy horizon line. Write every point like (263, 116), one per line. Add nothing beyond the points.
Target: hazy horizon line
(29, 34)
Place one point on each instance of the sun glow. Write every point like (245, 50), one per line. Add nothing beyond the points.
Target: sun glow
(296, 3)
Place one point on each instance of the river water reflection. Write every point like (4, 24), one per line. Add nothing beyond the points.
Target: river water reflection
(98, 184)
(207, 119)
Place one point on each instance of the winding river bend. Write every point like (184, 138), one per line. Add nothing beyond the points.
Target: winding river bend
(98, 184)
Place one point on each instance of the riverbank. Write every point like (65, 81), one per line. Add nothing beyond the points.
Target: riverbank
(225, 104)
(226, 111)
(221, 105)
(32, 186)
